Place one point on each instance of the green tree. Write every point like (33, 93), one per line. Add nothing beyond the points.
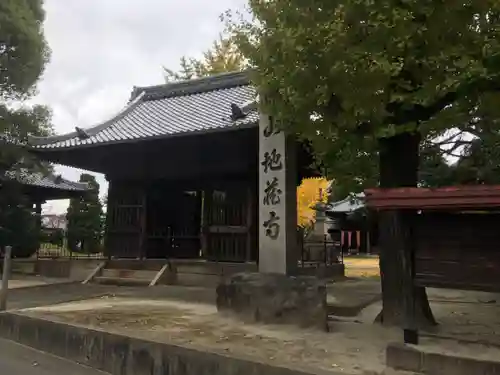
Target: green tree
(222, 57)
(23, 49)
(373, 81)
(17, 224)
(23, 55)
(84, 218)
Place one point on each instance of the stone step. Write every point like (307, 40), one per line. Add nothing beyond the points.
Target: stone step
(128, 273)
(123, 281)
(390, 371)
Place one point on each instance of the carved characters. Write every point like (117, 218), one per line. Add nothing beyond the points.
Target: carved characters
(271, 128)
(272, 161)
(272, 192)
(272, 226)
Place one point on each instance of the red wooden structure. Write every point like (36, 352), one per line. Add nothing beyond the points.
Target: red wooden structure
(455, 241)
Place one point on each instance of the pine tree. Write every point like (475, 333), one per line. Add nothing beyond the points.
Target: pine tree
(84, 219)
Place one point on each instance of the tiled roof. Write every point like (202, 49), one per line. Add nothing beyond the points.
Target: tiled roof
(199, 105)
(349, 204)
(48, 182)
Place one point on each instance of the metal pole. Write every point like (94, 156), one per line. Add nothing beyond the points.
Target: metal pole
(5, 278)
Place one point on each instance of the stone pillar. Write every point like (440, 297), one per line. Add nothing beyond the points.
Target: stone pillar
(276, 294)
(278, 251)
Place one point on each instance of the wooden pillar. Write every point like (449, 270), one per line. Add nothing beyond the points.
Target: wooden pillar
(205, 221)
(142, 223)
(38, 218)
(108, 250)
(406, 223)
(249, 222)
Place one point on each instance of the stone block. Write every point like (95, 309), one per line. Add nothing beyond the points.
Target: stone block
(403, 357)
(274, 299)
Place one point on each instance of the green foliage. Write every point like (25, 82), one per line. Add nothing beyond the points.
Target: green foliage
(17, 223)
(223, 57)
(15, 126)
(84, 218)
(23, 49)
(23, 55)
(345, 73)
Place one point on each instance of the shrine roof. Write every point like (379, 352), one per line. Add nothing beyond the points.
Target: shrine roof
(444, 198)
(50, 181)
(186, 107)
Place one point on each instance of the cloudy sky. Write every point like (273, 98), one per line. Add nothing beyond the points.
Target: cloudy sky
(102, 48)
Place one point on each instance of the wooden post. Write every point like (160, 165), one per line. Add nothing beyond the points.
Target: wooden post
(205, 220)
(5, 278)
(108, 251)
(249, 223)
(406, 223)
(143, 221)
(38, 215)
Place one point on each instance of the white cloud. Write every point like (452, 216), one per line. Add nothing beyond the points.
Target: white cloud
(102, 48)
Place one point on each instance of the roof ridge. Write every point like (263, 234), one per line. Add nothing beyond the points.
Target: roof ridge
(194, 86)
(90, 131)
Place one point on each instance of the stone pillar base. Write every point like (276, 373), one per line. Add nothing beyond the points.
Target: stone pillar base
(274, 299)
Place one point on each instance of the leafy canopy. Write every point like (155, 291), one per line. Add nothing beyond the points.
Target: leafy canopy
(347, 72)
(222, 57)
(23, 49)
(23, 55)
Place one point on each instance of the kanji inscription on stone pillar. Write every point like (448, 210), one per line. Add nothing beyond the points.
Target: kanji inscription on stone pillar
(277, 200)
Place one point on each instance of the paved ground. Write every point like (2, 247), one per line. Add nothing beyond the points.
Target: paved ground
(16, 359)
(54, 294)
(362, 266)
(28, 281)
(345, 298)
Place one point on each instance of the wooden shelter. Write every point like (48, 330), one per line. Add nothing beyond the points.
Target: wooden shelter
(450, 240)
(182, 164)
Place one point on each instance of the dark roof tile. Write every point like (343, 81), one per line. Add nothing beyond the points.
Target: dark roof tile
(199, 105)
(49, 181)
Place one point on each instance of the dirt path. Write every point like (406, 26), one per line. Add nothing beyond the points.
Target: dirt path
(350, 348)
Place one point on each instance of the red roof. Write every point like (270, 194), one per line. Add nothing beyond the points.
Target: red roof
(449, 198)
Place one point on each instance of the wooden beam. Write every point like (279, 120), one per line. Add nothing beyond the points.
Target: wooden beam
(160, 274)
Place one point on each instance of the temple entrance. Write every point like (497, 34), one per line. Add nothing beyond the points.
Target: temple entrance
(182, 221)
(173, 223)
(228, 229)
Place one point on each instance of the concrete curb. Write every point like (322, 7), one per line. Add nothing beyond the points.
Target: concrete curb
(45, 285)
(124, 355)
(350, 311)
(407, 358)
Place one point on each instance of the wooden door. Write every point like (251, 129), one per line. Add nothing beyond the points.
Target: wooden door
(228, 223)
(125, 221)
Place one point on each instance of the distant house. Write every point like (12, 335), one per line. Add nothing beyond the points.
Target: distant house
(52, 221)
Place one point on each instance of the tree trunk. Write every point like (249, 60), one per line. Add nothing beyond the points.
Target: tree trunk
(399, 159)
